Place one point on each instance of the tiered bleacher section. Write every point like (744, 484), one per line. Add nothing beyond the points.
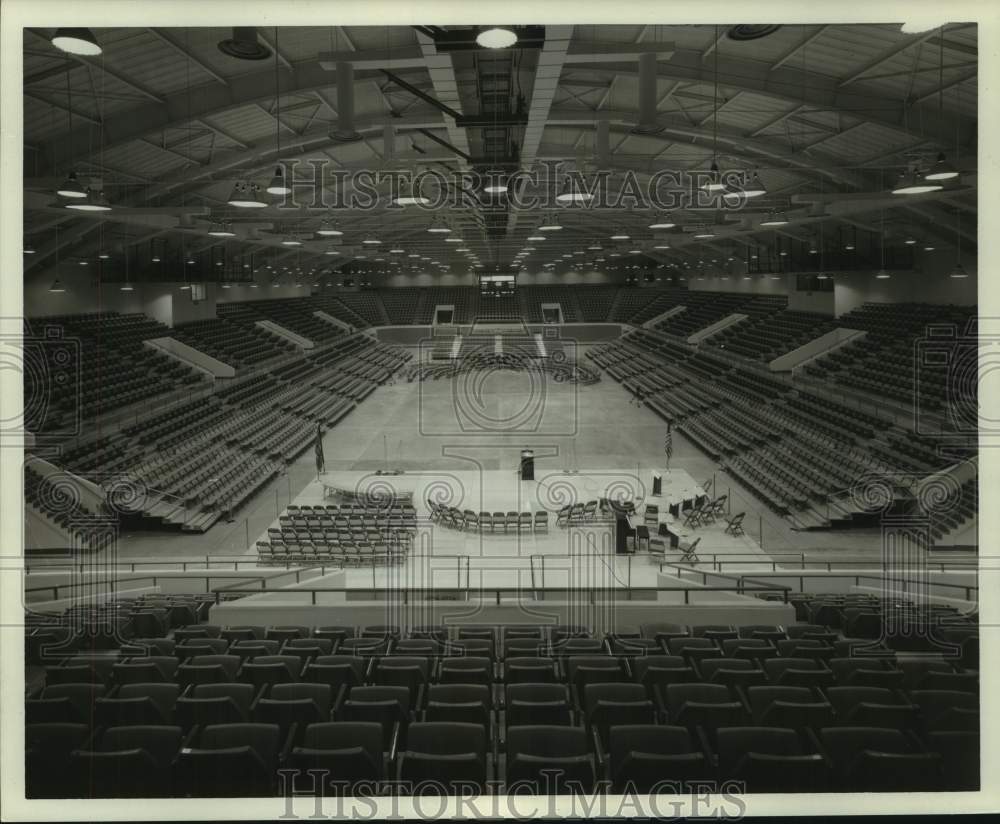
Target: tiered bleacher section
(94, 364)
(365, 305)
(532, 298)
(401, 304)
(911, 351)
(465, 299)
(507, 307)
(295, 314)
(235, 342)
(799, 452)
(637, 305)
(194, 463)
(595, 302)
(769, 331)
(702, 309)
(171, 706)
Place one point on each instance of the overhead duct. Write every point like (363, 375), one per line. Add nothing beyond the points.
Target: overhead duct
(244, 45)
(388, 144)
(602, 148)
(647, 94)
(345, 130)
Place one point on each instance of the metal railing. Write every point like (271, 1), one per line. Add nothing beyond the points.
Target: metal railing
(114, 584)
(496, 593)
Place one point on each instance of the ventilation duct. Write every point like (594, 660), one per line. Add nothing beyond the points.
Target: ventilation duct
(345, 130)
(243, 45)
(603, 145)
(647, 94)
(388, 144)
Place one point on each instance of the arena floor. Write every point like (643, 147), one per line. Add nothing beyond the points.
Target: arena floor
(470, 431)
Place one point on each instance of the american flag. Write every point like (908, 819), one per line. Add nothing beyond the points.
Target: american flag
(668, 443)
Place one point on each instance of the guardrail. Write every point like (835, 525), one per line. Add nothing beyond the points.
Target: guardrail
(497, 592)
(114, 584)
(923, 583)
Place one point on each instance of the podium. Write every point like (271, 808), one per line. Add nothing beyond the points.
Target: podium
(527, 465)
(657, 485)
(623, 529)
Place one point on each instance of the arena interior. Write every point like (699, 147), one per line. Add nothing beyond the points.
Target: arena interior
(560, 407)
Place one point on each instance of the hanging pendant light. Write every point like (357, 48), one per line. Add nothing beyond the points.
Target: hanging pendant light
(245, 195)
(496, 37)
(327, 229)
(221, 229)
(753, 188)
(941, 170)
(774, 219)
(664, 221)
(277, 186)
(71, 187)
(93, 202)
(619, 234)
(57, 286)
(290, 240)
(571, 193)
(76, 41)
(29, 249)
(438, 227)
(550, 224)
(910, 184)
(714, 182)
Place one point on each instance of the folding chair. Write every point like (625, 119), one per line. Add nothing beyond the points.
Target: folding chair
(734, 526)
(689, 555)
(693, 518)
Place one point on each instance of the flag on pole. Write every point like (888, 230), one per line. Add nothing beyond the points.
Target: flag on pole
(668, 443)
(320, 459)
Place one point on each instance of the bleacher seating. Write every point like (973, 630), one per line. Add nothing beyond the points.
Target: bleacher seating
(890, 361)
(295, 314)
(760, 427)
(233, 342)
(636, 306)
(401, 305)
(702, 309)
(595, 302)
(200, 460)
(95, 364)
(532, 298)
(465, 299)
(781, 708)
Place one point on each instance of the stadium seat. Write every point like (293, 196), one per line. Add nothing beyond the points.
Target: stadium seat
(709, 705)
(452, 755)
(344, 753)
(230, 760)
(549, 760)
(461, 703)
(879, 759)
(769, 759)
(528, 704)
(646, 758)
(791, 707)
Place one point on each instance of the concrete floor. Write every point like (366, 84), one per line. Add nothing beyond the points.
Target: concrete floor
(474, 428)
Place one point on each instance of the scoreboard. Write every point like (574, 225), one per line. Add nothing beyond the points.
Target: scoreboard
(496, 286)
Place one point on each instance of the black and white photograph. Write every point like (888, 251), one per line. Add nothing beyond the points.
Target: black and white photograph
(505, 410)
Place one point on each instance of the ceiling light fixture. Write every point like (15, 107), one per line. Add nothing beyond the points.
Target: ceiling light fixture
(57, 286)
(71, 187)
(774, 219)
(326, 229)
(76, 41)
(550, 224)
(910, 184)
(245, 195)
(496, 37)
(93, 202)
(663, 222)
